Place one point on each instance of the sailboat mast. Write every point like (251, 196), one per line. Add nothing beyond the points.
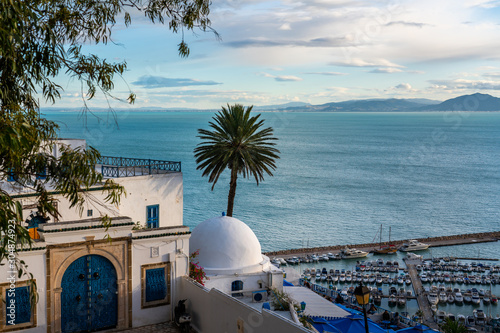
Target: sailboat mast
(389, 235)
(380, 242)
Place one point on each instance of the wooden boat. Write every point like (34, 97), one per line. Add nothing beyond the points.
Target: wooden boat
(385, 249)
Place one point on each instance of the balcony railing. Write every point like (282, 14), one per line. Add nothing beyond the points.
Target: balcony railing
(115, 167)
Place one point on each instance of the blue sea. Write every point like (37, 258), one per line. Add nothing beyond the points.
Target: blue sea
(340, 176)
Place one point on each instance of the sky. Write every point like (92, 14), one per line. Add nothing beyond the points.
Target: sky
(312, 51)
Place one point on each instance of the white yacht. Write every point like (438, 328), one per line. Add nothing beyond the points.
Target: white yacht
(433, 298)
(414, 245)
(475, 299)
(441, 316)
(352, 253)
(479, 316)
(459, 299)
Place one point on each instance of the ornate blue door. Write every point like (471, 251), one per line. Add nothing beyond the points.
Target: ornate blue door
(89, 295)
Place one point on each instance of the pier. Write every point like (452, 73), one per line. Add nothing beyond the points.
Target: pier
(423, 303)
(433, 241)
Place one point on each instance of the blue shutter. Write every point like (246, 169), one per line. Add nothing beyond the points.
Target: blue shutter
(156, 285)
(153, 216)
(20, 298)
(237, 286)
(42, 174)
(11, 176)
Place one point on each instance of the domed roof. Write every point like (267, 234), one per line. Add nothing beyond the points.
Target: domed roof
(227, 246)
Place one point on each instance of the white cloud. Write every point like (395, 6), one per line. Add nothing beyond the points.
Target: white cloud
(285, 26)
(494, 75)
(358, 62)
(327, 73)
(282, 78)
(387, 70)
(462, 84)
(403, 86)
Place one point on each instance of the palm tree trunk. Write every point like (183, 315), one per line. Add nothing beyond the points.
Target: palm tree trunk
(232, 192)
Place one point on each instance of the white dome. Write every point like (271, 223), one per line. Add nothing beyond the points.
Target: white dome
(227, 246)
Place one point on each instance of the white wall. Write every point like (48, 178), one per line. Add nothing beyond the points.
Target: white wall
(165, 190)
(36, 265)
(71, 143)
(268, 280)
(215, 312)
(169, 250)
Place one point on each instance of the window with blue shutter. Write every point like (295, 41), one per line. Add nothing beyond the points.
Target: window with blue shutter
(11, 176)
(17, 306)
(155, 284)
(153, 216)
(42, 174)
(237, 286)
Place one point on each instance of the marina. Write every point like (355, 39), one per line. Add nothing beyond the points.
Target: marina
(402, 283)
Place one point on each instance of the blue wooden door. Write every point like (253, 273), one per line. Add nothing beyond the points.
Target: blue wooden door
(89, 295)
(153, 215)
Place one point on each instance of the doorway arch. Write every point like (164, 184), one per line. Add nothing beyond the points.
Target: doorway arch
(89, 300)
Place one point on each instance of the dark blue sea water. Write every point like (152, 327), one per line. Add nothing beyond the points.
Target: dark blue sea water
(340, 175)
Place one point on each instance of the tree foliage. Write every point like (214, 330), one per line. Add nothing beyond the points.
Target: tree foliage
(39, 40)
(452, 326)
(237, 142)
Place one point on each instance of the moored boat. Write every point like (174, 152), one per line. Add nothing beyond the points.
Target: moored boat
(475, 299)
(414, 245)
(441, 316)
(385, 249)
(479, 316)
(348, 253)
(433, 298)
(442, 297)
(459, 299)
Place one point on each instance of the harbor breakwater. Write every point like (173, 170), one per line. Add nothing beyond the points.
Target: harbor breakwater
(472, 238)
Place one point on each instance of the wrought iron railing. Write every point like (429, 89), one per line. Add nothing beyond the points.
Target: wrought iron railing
(116, 167)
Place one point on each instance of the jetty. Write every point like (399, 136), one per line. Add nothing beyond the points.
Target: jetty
(423, 303)
(432, 241)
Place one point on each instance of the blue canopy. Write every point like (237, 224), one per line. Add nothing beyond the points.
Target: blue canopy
(355, 324)
(352, 311)
(417, 329)
(287, 284)
(323, 326)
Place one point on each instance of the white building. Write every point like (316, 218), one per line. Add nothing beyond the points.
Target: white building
(240, 282)
(86, 282)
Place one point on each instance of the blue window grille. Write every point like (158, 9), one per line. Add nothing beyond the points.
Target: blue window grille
(90, 212)
(237, 286)
(153, 216)
(18, 306)
(156, 285)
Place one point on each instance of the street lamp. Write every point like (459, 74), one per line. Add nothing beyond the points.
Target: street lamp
(362, 294)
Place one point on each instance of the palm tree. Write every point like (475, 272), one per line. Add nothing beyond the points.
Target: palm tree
(237, 142)
(451, 326)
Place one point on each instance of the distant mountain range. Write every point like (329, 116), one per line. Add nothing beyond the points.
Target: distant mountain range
(474, 102)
